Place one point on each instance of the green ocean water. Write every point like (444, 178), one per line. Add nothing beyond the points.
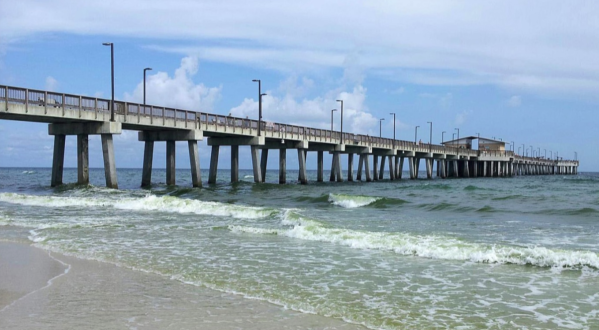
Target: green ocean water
(481, 253)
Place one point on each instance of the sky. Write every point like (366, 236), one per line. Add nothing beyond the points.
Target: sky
(524, 72)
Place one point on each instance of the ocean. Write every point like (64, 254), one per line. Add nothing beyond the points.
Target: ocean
(479, 253)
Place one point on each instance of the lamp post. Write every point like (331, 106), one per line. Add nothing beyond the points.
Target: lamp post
(539, 152)
(333, 110)
(545, 153)
(341, 120)
(556, 155)
(381, 127)
(259, 105)
(430, 139)
(442, 137)
(575, 155)
(416, 134)
(393, 113)
(550, 154)
(146, 69)
(523, 151)
(112, 77)
(458, 139)
(513, 146)
(518, 150)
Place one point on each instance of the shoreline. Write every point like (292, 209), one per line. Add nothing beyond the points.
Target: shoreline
(39, 288)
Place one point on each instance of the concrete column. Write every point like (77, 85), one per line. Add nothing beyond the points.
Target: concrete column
(338, 167)
(213, 164)
(360, 166)
(263, 161)
(443, 168)
(109, 162)
(438, 170)
(367, 168)
(82, 159)
(333, 168)
(375, 165)
(194, 162)
(283, 166)
(234, 163)
(301, 157)
(416, 167)
(411, 165)
(400, 169)
(391, 169)
(466, 169)
(475, 169)
(320, 166)
(256, 164)
(456, 169)
(350, 167)
(146, 176)
(429, 168)
(382, 171)
(170, 163)
(397, 170)
(58, 160)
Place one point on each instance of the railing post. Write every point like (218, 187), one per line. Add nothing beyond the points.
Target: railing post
(186, 118)
(63, 107)
(26, 101)
(6, 97)
(138, 115)
(95, 106)
(125, 111)
(45, 102)
(163, 116)
(80, 107)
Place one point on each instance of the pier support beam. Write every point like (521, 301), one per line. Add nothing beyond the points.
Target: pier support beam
(411, 165)
(333, 168)
(466, 169)
(429, 168)
(320, 166)
(391, 168)
(350, 167)
(194, 163)
(213, 164)
(234, 163)
(375, 165)
(83, 159)
(400, 168)
(367, 168)
(58, 160)
(301, 157)
(338, 167)
(443, 168)
(146, 175)
(109, 162)
(170, 163)
(382, 171)
(360, 167)
(283, 166)
(263, 161)
(256, 164)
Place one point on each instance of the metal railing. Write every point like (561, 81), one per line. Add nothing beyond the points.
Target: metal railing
(134, 112)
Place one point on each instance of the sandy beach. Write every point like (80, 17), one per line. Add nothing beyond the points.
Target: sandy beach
(46, 290)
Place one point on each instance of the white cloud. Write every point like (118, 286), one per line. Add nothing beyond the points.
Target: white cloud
(315, 112)
(51, 84)
(514, 101)
(541, 45)
(461, 117)
(178, 91)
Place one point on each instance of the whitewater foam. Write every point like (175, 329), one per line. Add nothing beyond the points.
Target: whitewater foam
(351, 201)
(147, 203)
(428, 246)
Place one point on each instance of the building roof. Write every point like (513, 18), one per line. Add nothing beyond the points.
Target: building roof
(468, 139)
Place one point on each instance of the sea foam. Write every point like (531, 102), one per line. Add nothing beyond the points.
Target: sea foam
(428, 246)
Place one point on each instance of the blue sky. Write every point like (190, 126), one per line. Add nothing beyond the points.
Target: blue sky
(523, 72)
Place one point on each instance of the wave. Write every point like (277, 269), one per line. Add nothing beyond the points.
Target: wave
(354, 201)
(427, 246)
(28, 172)
(147, 203)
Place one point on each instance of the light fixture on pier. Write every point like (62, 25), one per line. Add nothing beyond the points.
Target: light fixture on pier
(112, 77)
(146, 69)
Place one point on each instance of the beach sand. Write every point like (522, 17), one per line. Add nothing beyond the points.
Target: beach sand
(46, 290)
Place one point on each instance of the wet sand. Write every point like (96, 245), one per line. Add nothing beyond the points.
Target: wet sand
(46, 290)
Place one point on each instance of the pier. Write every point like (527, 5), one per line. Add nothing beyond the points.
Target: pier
(82, 116)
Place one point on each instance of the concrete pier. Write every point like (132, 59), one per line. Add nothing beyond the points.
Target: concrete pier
(81, 116)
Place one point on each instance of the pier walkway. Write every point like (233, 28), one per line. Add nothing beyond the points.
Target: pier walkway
(82, 116)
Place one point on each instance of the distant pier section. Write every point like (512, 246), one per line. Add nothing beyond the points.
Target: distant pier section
(82, 116)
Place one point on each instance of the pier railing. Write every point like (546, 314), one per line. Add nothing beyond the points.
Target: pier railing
(134, 112)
